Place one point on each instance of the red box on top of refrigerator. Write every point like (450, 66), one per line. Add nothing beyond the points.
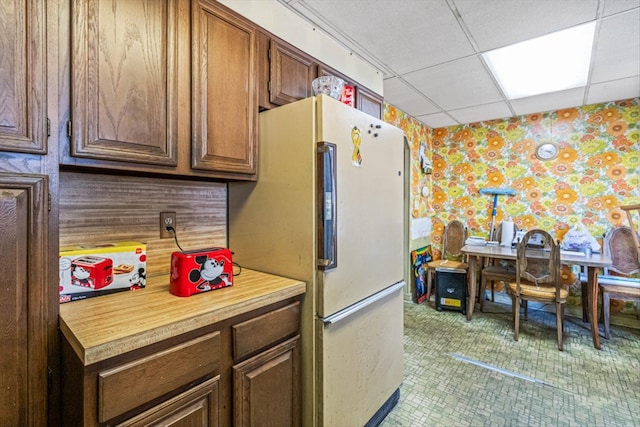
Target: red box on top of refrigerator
(348, 96)
(201, 270)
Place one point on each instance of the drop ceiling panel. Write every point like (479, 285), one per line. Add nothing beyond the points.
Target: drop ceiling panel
(614, 6)
(549, 101)
(497, 110)
(457, 84)
(405, 36)
(407, 99)
(614, 90)
(432, 46)
(499, 23)
(617, 53)
(437, 120)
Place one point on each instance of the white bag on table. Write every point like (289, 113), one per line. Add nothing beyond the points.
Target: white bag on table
(579, 237)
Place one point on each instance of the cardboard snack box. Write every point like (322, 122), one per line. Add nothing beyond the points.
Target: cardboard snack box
(92, 270)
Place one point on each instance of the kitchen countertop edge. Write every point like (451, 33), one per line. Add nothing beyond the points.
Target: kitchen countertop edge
(81, 322)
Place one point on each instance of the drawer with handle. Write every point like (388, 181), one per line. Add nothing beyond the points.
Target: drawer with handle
(128, 386)
(263, 331)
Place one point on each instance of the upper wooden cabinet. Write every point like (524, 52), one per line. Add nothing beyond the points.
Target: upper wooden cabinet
(224, 94)
(23, 124)
(165, 87)
(291, 74)
(124, 71)
(366, 101)
(174, 87)
(369, 102)
(286, 73)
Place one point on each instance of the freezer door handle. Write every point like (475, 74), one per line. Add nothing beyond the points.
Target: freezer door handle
(352, 309)
(326, 206)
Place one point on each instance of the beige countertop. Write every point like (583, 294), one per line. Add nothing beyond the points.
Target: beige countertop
(106, 326)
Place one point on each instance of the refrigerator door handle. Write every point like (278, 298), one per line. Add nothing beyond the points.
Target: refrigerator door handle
(352, 309)
(327, 206)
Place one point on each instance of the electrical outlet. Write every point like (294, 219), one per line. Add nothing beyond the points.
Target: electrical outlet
(167, 219)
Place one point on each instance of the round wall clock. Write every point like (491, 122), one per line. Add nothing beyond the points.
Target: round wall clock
(547, 151)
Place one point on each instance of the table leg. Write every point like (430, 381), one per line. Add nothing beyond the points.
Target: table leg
(584, 289)
(472, 286)
(592, 284)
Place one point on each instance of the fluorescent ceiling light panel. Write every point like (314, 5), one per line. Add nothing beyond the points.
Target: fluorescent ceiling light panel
(550, 63)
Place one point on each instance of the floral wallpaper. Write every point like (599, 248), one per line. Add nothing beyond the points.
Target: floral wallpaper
(596, 171)
(419, 137)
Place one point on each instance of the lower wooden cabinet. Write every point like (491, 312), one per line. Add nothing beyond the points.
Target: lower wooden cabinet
(24, 313)
(130, 385)
(266, 387)
(196, 407)
(241, 371)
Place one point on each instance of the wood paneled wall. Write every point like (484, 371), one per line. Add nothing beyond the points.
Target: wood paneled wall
(106, 208)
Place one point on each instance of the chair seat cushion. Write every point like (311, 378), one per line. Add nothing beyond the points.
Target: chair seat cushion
(443, 263)
(626, 291)
(530, 289)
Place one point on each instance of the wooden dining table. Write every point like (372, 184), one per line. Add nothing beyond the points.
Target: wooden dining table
(593, 262)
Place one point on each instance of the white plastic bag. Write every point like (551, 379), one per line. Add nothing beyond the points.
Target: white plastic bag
(578, 238)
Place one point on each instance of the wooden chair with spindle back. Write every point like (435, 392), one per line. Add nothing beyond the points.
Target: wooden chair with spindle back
(617, 281)
(538, 279)
(495, 270)
(455, 234)
(628, 210)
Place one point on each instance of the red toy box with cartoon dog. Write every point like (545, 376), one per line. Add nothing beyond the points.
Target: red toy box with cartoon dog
(201, 270)
(92, 270)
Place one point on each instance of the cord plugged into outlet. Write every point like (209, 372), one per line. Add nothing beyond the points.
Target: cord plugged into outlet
(167, 224)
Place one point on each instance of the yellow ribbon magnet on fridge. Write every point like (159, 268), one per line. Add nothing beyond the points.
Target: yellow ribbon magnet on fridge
(356, 138)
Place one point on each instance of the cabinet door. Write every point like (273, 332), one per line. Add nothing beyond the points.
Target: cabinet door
(22, 76)
(196, 407)
(368, 102)
(267, 387)
(124, 74)
(225, 97)
(23, 308)
(264, 47)
(291, 74)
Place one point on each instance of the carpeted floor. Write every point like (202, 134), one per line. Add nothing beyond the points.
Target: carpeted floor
(460, 373)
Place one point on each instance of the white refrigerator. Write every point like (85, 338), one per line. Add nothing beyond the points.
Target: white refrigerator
(327, 209)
